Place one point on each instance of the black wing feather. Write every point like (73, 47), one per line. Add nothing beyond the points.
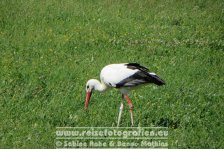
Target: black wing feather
(140, 77)
(137, 66)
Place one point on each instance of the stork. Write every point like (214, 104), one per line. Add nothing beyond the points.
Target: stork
(124, 77)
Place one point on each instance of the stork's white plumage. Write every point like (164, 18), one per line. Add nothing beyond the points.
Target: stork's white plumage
(123, 77)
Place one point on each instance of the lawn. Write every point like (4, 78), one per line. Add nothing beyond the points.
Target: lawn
(49, 49)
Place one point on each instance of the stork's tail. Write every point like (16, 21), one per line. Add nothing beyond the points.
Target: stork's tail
(156, 79)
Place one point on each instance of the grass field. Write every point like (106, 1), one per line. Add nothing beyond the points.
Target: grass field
(49, 49)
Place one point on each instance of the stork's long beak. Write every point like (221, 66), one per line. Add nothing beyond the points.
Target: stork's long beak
(88, 95)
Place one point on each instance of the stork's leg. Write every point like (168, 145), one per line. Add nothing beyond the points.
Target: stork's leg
(130, 106)
(120, 112)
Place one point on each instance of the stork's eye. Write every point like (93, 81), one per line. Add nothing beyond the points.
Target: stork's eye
(87, 86)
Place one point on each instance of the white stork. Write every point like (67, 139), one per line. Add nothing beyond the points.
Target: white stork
(123, 77)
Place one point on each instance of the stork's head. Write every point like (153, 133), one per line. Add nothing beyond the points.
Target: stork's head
(90, 86)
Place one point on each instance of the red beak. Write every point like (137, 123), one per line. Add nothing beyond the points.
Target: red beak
(88, 95)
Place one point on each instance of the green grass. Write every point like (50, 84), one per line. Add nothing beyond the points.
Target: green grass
(49, 49)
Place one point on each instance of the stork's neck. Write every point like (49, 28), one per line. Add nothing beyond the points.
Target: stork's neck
(99, 86)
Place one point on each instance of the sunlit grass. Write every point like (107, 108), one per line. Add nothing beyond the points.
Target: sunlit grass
(49, 49)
